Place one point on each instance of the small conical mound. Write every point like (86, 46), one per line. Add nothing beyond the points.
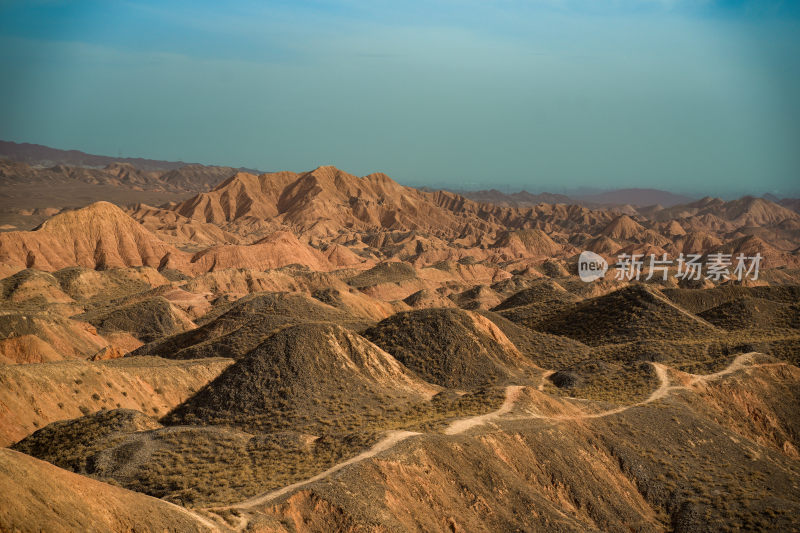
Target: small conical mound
(542, 299)
(33, 285)
(696, 242)
(699, 301)
(427, 299)
(98, 236)
(36, 337)
(623, 228)
(235, 329)
(751, 245)
(146, 320)
(753, 313)
(528, 243)
(553, 269)
(449, 347)
(545, 290)
(307, 377)
(390, 272)
(478, 297)
(628, 314)
(602, 245)
(674, 229)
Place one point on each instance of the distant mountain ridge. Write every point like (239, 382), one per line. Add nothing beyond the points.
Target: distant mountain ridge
(195, 177)
(517, 199)
(636, 197)
(616, 197)
(56, 166)
(39, 155)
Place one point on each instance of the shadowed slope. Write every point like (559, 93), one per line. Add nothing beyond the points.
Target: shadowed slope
(147, 320)
(628, 314)
(235, 329)
(449, 347)
(306, 377)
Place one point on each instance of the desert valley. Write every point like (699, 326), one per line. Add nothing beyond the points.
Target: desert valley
(193, 348)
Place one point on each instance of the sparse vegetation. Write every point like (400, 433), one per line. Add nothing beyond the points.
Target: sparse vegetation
(445, 347)
(148, 320)
(393, 272)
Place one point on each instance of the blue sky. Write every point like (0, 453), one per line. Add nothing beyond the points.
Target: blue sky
(694, 96)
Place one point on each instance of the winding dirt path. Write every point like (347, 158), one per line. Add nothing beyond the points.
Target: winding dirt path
(546, 374)
(463, 424)
(207, 523)
(663, 390)
(512, 395)
(384, 444)
(735, 365)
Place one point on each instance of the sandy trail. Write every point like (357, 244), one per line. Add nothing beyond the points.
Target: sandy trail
(463, 424)
(545, 375)
(736, 364)
(663, 390)
(208, 523)
(384, 444)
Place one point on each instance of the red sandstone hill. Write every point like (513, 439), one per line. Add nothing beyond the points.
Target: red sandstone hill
(102, 236)
(623, 228)
(98, 236)
(327, 206)
(274, 251)
(323, 202)
(547, 217)
(528, 243)
(241, 195)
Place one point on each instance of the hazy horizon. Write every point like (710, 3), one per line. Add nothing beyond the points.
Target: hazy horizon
(690, 97)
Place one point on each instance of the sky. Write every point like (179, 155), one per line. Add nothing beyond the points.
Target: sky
(692, 96)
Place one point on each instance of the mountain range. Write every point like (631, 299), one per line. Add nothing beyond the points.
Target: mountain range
(317, 351)
(326, 219)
